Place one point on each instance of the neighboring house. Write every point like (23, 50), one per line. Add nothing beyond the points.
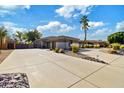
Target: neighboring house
(63, 42)
(95, 42)
(4, 43)
(11, 44)
(7, 43)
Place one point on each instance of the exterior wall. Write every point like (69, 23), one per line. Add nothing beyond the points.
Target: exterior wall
(41, 44)
(4, 43)
(38, 44)
(64, 45)
(51, 45)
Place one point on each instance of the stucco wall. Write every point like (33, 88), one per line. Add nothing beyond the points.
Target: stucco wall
(4, 43)
(41, 44)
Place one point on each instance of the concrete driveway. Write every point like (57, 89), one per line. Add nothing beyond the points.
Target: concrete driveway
(45, 68)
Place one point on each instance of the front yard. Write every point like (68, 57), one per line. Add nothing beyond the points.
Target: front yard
(45, 68)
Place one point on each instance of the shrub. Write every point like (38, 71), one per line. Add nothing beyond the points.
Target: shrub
(97, 46)
(117, 37)
(110, 46)
(75, 48)
(106, 44)
(115, 46)
(61, 51)
(56, 50)
(90, 46)
(121, 46)
(86, 46)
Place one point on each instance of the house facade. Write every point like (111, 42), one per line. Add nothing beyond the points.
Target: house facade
(95, 42)
(51, 42)
(7, 43)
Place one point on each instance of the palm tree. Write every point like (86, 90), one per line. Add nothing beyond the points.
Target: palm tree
(3, 34)
(84, 21)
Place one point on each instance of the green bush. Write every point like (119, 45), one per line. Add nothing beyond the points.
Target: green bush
(88, 46)
(121, 46)
(75, 48)
(117, 37)
(56, 50)
(106, 44)
(115, 46)
(110, 46)
(85, 46)
(97, 46)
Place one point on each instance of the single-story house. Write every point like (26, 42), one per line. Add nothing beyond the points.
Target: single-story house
(95, 42)
(51, 42)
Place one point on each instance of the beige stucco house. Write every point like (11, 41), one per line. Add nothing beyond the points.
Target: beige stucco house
(63, 42)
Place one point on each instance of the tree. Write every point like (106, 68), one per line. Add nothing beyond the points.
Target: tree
(84, 21)
(33, 35)
(3, 34)
(117, 37)
(19, 36)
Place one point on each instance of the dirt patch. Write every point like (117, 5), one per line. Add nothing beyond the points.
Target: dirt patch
(4, 54)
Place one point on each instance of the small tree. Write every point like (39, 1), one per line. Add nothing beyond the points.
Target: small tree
(117, 37)
(33, 35)
(19, 36)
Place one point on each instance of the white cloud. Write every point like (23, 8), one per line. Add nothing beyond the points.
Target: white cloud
(12, 27)
(10, 9)
(100, 32)
(81, 36)
(120, 26)
(7, 23)
(14, 7)
(96, 24)
(73, 11)
(55, 26)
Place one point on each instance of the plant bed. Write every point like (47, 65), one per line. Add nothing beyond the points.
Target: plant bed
(14, 80)
(83, 56)
(111, 51)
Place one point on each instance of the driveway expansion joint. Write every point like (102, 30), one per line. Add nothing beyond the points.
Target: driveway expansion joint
(23, 66)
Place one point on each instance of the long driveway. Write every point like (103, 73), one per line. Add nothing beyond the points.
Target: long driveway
(45, 68)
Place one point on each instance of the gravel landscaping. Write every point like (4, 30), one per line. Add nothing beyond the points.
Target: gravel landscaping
(14, 80)
(83, 56)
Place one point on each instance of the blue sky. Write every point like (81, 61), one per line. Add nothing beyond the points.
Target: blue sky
(63, 20)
